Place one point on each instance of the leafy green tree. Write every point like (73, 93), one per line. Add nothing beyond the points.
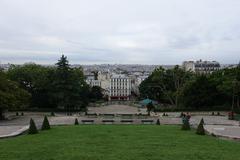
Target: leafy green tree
(200, 129)
(45, 124)
(32, 127)
(200, 93)
(36, 80)
(96, 93)
(11, 95)
(165, 85)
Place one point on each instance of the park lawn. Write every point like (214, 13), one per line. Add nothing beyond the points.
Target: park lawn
(115, 142)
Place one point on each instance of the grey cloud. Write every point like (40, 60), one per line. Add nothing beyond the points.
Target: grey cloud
(106, 31)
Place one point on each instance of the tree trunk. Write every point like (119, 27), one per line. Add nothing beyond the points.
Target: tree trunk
(1, 114)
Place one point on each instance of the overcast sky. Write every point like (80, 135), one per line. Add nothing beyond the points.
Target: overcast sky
(119, 31)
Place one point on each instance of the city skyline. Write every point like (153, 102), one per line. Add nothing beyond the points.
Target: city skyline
(119, 32)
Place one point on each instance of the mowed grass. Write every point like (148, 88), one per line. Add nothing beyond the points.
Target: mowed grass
(118, 142)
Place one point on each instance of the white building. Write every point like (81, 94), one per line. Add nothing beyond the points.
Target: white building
(201, 67)
(120, 87)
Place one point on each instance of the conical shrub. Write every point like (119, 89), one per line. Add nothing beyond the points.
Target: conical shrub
(200, 129)
(158, 122)
(45, 124)
(32, 127)
(185, 125)
(76, 122)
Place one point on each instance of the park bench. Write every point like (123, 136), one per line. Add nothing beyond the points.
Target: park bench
(91, 115)
(88, 121)
(107, 115)
(147, 121)
(108, 121)
(127, 121)
(126, 116)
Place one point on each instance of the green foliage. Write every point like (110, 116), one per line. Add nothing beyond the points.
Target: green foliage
(45, 124)
(185, 90)
(36, 80)
(11, 95)
(96, 93)
(185, 125)
(76, 122)
(52, 114)
(158, 122)
(32, 127)
(70, 89)
(200, 129)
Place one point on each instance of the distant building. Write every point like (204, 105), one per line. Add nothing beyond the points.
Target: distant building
(201, 67)
(120, 87)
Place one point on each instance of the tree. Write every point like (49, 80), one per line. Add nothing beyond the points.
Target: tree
(36, 80)
(45, 124)
(11, 95)
(165, 85)
(200, 129)
(200, 93)
(96, 93)
(32, 127)
(70, 88)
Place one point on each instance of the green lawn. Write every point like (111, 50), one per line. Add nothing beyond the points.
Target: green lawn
(114, 142)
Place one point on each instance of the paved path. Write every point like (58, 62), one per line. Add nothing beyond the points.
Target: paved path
(217, 125)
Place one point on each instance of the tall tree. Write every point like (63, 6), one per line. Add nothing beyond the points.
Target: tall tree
(70, 89)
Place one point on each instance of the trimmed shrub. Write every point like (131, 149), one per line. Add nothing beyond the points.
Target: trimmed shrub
(32, 127)
(45, 124)
(158, 122)
(22, 114)
(52, 114)
(76, 122)
(200, 129)
(185, 125)
(17, 114)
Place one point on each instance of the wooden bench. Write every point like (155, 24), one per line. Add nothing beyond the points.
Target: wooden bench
(127, 121)
(147, 121)
(108, 121)
(107, 115)
(88, 121)
(125, 116)
(91, 115)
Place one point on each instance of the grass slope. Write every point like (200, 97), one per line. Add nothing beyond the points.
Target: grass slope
(115, 142)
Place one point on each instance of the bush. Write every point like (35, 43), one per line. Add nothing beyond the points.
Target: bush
(17, 114)
(52, 114)
(212, 113)
(185, 125)
(158, 122)
(45, 124)
(76, 122)
(200, 129)
(32, 127)
(22, 114)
